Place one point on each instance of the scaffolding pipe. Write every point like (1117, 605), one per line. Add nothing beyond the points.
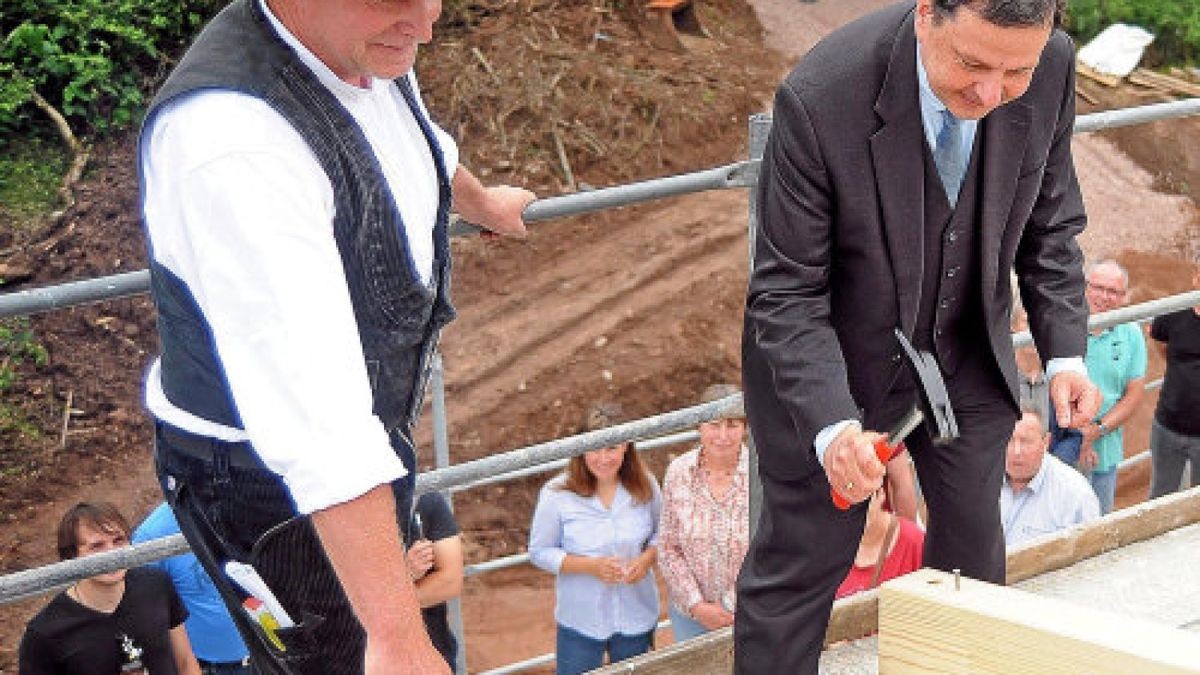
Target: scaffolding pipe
(736, 175)
(649, 444)
(561, 448)
(40, 580)
(1130, 314)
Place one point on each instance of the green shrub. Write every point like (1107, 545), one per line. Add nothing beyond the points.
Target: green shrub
(1175, 24)
(17, 345)
(93, 60)
(30, 174)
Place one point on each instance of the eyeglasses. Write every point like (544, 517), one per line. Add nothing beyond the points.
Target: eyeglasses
(1106, 290)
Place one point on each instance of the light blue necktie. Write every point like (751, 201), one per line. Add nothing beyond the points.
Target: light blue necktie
(948, 156)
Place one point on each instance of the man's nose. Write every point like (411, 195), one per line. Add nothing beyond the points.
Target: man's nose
(989, 91)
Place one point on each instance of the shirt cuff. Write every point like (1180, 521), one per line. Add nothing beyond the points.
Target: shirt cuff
(1070, 364)
(826, 436)
(548, 559)
(324, 481)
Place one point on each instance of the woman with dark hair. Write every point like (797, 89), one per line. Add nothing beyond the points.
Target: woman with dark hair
(596, 528)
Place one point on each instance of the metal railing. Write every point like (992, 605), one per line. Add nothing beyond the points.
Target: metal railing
(736, 175)
(542, 457)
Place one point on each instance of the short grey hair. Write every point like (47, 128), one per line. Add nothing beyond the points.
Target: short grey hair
(1006, 13)
(1109, 262)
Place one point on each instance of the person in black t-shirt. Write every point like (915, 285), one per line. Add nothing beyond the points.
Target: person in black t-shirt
(435, 560)
(1175, 431)
(128, 623)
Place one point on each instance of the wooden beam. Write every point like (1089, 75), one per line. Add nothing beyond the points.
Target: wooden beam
(857, 615)
(709, 654)
(1117, 529)
(929, 622)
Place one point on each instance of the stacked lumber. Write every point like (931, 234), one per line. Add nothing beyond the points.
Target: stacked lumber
(1166, 83)
(1171, 85)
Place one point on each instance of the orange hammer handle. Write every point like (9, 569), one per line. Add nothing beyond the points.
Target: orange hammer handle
(884, 452)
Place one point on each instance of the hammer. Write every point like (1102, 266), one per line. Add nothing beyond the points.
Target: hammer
(933, 408)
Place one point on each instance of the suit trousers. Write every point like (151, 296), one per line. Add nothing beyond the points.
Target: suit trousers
(804, 546)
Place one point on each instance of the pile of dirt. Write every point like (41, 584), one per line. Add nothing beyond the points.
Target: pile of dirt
(529, 89)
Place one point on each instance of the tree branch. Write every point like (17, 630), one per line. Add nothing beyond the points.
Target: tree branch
(79, 156)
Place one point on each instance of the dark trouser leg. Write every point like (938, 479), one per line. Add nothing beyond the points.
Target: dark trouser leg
(799, 556)
(961, 481)
(1168, 454)
(251, 514)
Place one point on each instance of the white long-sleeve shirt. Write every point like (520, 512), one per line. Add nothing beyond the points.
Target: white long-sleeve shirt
(238, 207)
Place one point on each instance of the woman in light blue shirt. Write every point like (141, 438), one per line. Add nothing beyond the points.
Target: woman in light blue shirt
(596, 527)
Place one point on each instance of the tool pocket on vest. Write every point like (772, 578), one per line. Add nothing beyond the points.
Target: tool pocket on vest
(292, 563)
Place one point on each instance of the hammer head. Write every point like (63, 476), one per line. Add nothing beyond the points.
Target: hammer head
(935, 401)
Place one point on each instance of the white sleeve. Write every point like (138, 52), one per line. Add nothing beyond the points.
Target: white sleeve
(238, 208)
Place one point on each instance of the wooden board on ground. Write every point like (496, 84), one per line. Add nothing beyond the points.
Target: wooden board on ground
(1095, 75)
(929, 622)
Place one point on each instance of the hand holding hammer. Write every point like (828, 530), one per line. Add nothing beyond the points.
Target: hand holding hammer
(854, 462)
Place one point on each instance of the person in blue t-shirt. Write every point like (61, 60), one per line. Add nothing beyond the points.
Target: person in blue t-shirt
(215, 640)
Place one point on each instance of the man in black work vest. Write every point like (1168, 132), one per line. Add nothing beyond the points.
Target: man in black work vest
(296, 196)
(917, 155)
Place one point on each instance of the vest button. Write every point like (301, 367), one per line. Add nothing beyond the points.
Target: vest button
(944, 303)
(951, 272)
(952, 236)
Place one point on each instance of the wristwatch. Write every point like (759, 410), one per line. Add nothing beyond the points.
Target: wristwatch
(1103, 427)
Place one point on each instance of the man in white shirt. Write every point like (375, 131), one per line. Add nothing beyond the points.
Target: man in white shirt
(1041, 494)
(295, 195)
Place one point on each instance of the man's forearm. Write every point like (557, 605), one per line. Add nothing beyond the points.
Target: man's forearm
(362, 539)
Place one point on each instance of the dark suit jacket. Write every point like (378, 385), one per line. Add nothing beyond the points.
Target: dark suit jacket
(838, 244)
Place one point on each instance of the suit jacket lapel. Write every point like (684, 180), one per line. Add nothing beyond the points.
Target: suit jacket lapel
(1005, 133)
(896, 153)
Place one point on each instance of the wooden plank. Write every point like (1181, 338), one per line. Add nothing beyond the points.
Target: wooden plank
(1164, 81)
(932, 623)
(709, 654)
(857, 615)
(1103, 78)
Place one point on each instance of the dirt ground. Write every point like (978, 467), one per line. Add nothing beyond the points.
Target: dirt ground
(640, 305)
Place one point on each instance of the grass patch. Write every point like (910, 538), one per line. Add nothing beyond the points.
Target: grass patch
(31, 171)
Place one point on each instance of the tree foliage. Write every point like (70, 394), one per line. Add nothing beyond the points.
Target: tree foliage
(93, 60)
(1175, 24)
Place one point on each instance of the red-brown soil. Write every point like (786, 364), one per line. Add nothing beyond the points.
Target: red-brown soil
(641, 305)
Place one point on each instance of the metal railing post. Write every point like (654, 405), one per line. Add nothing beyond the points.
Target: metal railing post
(760, 128)
(441, 460)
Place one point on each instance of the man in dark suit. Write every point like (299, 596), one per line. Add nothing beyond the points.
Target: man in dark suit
(917, 156)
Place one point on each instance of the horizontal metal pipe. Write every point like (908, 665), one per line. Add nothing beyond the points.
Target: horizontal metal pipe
(648, 444)
(495, 564)
(37, 581)
(1130, 314)
(1124, 117)
(562, 448)
(41, 580)
(62, 296)
(736, 175)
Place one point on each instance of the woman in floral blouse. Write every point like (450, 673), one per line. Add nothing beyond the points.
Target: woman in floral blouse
(704, 531)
